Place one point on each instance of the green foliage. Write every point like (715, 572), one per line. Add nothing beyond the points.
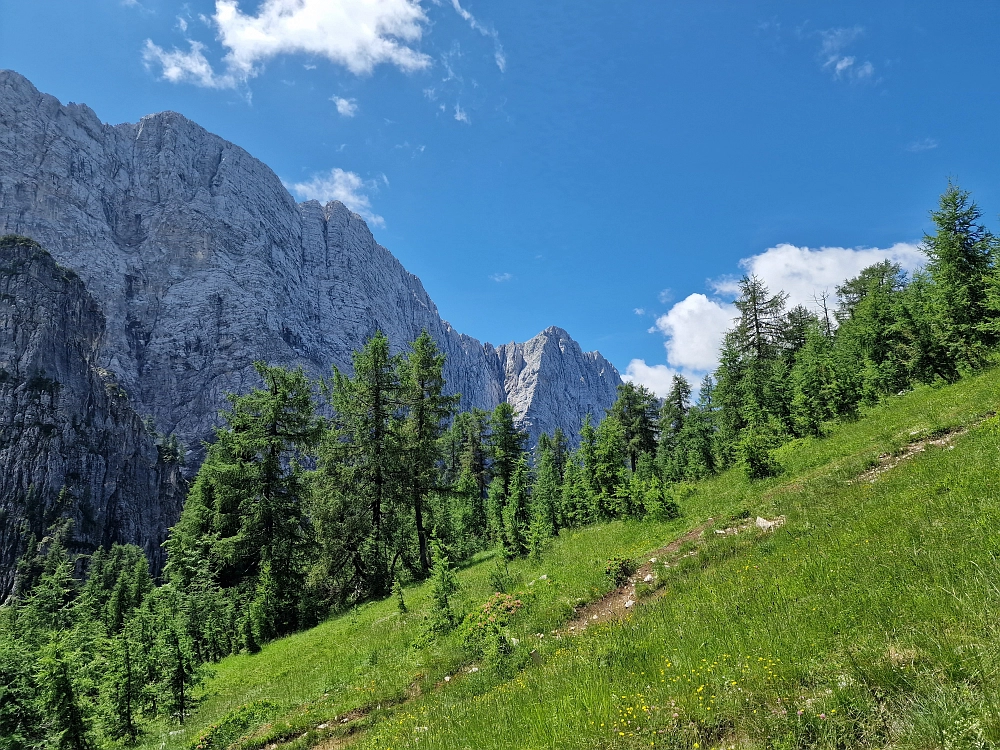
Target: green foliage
(21, 718)
(486, 630)
(65, 713)
(223, 734)
(444, 585)
(618, 569)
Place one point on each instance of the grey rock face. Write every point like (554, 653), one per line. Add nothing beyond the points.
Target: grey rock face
(552, 383)
(202, 263)
(70, 443)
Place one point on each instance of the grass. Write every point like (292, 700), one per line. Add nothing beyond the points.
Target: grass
(870, 619)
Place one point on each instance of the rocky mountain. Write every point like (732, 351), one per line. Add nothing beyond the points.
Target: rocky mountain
(71, 445)
(202, 263)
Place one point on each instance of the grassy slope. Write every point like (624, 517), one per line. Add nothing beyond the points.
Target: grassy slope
(871, 612)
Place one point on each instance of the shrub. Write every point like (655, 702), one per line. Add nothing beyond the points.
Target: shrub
(233, 726)
(485, 630)
(618, 569)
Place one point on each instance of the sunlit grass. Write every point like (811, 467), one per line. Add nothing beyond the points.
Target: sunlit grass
(869, 619)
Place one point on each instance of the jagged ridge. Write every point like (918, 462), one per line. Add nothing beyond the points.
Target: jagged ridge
(202, 263)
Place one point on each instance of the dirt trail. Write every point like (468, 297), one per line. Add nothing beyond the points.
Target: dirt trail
(347, 728)
(888, 461)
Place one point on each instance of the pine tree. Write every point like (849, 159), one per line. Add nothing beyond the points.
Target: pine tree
(515, 512)
(813, 384)
(671, 455)
(246, 505)
(179, 673)
(361, 477)
(546, 490)
(506, 444)
(21, 718)
(611, 468)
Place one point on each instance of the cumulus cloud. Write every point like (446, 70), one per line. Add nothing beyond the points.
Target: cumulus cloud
(461, 115)
(358, 34)
(656, 378)
(345, 107)
(343, 186)
(833, 57)
(501, 277)
(805, 273)
(695, 327)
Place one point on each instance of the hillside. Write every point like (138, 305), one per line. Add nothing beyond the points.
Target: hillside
(866, 620)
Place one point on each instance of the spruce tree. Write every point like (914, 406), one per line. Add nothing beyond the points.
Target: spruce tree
(635, 411)
(506, 444)
(21, 716)
(960, 262)
(515, 512)
(121, 691)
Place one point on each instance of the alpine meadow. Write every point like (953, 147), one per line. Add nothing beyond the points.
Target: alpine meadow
(297, 449)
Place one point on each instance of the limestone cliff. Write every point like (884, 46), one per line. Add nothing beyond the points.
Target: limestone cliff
(202, 263)
(71, 446)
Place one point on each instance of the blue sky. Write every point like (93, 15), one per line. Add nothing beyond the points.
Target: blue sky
(605, 167)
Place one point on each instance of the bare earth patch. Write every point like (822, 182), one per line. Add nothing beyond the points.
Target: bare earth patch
(624, 599)
(888, 461)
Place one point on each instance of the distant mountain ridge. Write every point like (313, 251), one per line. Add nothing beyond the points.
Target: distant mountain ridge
(202, 262)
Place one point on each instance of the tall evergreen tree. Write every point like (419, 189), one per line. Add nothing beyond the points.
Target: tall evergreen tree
(362, 476)
(68, 723)
(507, 444)
(427, 409)
(635, 411)
(245, 508)
(960, 263)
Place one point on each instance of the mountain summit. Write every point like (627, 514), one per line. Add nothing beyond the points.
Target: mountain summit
(202, 263)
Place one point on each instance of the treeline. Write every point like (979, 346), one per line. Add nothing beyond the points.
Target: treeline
(293, 515)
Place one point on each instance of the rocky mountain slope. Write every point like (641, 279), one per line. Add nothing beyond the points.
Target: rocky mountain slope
(71, 445)
(202, 263)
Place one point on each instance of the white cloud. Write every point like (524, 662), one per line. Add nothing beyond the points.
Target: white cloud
(461, 115)
(695, 327)
(639, 311)
(805, 273)
(501, 277)
(182, 23)
(832, 46)
(656, 378)
(498, 54)
(186, 67)
(346, 187)
(345, 107)
(924, 144)
(358, 34)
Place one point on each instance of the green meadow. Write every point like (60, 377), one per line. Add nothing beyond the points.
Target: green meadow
(869, 619)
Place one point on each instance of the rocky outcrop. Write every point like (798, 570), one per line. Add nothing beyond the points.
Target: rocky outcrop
(551, 382)
(71, 445)
(202, 263)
